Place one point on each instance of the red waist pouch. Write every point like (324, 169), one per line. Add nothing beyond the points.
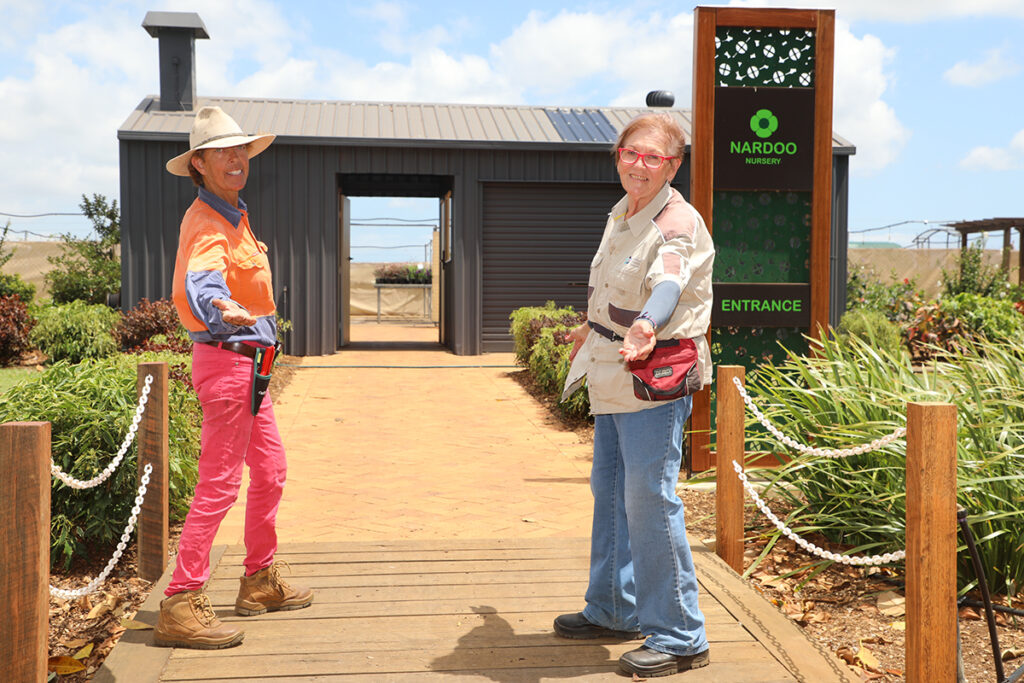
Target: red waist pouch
(669, 372)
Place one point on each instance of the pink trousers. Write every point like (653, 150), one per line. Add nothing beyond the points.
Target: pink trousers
(231, 437)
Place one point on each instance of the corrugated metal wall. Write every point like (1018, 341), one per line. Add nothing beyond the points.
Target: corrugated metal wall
(538, 240)
(840, 237)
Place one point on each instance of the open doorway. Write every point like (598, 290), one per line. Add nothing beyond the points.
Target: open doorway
(394, 245)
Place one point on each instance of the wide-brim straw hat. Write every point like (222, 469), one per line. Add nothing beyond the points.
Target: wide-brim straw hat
(213, 128)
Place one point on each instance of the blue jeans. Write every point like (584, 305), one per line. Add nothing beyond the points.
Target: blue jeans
(641, 571)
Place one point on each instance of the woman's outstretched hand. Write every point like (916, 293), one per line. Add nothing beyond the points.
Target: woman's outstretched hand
(639, 341)
(233, 314)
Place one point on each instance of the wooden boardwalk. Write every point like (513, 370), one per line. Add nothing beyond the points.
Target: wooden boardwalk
(457, 610)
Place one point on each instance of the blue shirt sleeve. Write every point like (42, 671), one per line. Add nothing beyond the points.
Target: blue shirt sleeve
(202, 288)
(662, 302)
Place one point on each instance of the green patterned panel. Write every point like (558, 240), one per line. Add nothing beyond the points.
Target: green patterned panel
(760, 237)
(780, 58)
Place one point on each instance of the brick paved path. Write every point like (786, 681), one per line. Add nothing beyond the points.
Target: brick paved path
(399, 452)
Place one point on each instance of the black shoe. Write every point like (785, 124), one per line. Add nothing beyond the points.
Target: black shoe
(577, 626)
(649, 663)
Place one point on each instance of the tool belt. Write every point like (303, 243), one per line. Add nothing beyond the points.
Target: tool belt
(263, 358)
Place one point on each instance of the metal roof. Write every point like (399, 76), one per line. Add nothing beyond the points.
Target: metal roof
(986, 224)
(406, 123)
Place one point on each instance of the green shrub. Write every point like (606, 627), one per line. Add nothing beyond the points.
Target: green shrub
(549, 366)
(75, 331)
(15, 325)
(402, 273)
(148, 319)
(89, 269)
(540, 344)
(11, 284)
(973, 276)
(897, 300)
(872, 327)
(848, 393)
(944, 326)
(90, 407)
(528, 321)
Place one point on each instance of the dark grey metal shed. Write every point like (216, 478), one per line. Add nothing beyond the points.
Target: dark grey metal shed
(525, 191)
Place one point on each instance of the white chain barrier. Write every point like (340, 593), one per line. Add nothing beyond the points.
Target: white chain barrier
(810, 450)
(96, 481)
(125, 537)
(110, 468)
(807, 545)
(885, 558)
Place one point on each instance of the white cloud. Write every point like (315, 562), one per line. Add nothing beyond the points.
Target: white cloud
(901, 10)
(558, 57)
(996, 66)
(984, 158)
(859, 111)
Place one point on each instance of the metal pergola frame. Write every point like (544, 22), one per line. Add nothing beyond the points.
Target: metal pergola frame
(1004, 225)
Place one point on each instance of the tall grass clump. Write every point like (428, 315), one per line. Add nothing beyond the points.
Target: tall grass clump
(90, 407)
(848, 393)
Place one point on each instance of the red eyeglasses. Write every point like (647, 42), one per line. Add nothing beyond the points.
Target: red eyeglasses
(652, 161)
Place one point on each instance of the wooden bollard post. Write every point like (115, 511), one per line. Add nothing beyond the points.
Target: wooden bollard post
(931, 542)
(153, 450)
(24, 550)
(731, 445)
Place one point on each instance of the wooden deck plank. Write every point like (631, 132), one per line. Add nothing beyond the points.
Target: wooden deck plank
(466, 610)
(245, 666)
(410, 567)
(767, 624)
(431, 579)
(419, 633)
(573, 552)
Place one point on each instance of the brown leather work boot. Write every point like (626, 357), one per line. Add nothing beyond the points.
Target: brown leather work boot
(266, 591)
(187, 620)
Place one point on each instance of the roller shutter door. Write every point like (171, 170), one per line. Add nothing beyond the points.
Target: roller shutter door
(538, 241)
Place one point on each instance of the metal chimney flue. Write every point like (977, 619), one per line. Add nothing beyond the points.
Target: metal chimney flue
(176, 33)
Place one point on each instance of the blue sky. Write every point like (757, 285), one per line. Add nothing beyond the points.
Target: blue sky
(930, 91)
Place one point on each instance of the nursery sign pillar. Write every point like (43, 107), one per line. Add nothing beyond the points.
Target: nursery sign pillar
(761, 175)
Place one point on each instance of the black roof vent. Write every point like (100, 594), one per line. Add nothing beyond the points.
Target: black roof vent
(660, 98)
(176, 33)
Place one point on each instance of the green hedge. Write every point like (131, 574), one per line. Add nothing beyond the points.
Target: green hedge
(539, 336)
(75, 331)
(90, 407)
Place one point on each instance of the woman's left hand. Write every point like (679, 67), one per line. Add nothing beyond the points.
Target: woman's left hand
(639, 341)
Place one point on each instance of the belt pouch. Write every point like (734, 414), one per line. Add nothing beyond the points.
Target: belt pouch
(262, 369)
(668, 373)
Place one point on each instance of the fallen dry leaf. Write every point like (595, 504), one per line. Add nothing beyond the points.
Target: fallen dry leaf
(866, 658)
(1011, 654)
(108, 603)
(133, 625)
(64, 665)
(846, 654)
(969, 613)
(898, 626)
(891, 603)
(84, 652)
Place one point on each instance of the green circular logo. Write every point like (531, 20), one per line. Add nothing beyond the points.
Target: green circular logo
(764, 123)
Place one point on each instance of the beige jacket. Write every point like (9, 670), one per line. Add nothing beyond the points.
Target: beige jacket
(666, 240)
